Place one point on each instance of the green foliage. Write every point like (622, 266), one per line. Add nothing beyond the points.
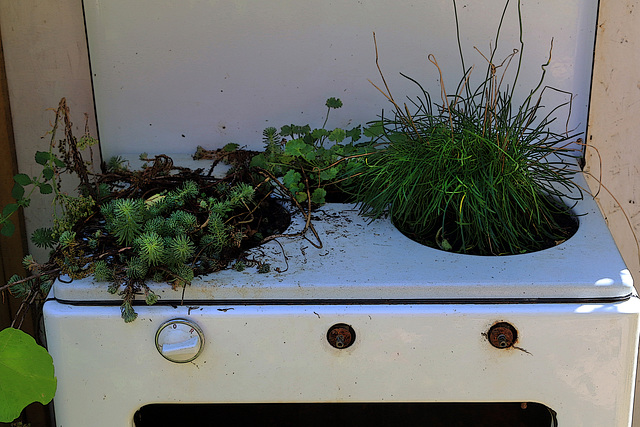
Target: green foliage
(136, 268)
(181, 275)
(180, 249)
(22, 182)
(127, 312)
(102, 272)
(116, 163)
(150, 297)
(19, 290)
(473, 175)
(171, 235)
(27, 373)
(310, 161)
(75, 209)
(151, 248)
(67, 239)
(43, 238)
(124, 218)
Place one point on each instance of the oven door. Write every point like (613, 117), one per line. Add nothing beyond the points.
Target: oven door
(577, 359)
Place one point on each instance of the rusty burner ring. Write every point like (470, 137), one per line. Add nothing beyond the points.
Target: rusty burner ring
(502, 335)
(341, 336)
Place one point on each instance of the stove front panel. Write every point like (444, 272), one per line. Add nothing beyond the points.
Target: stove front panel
(579, 360)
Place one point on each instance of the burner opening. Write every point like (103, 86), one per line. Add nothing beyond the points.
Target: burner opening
(449, 234)
(511, 414)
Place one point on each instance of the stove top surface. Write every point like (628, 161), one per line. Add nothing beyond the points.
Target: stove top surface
(364, 261)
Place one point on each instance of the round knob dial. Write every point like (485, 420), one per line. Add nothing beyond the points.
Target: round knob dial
(179, 340)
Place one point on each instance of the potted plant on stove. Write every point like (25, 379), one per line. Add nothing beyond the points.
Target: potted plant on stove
(476, 173)
(163, 223)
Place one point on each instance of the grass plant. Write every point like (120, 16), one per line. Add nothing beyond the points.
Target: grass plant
(477, 173)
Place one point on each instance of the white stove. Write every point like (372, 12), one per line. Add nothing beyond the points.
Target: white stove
(371, 317)
(371, 325)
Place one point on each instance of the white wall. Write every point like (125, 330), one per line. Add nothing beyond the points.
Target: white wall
(614, 127)
(46, 59)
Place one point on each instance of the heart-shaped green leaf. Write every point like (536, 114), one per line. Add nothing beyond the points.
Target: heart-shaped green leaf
(27, 373)
(42, 157)
(18, 191)
(8, 229)
(22, 179)
(45, 189)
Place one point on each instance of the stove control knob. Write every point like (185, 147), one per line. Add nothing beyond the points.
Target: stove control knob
(179, 340)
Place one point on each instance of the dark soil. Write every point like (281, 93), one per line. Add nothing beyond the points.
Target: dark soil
(560, 228)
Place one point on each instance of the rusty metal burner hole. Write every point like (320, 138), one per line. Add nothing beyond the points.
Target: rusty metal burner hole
(502, 335)
(341, 336)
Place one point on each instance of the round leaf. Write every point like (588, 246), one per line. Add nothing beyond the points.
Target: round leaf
(22, 179)
(337, 135)
(27, 373)
(8, 229)
(47, 173)
(45, 189)
(42, 157)
(318, 196)
(333, 102)
(295, 147)
(17, 192)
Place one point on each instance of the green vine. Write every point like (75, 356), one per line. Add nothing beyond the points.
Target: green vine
(311, 162)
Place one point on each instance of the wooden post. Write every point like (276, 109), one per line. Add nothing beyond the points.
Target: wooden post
(13, 249)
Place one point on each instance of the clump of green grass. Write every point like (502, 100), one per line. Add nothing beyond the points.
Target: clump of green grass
(476, 174)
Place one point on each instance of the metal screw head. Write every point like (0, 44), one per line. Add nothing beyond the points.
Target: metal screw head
(341, 336)
(502, 335)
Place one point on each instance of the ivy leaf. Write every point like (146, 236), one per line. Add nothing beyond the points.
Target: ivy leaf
(337, 149)
(291, 180)
(296, 147)
(8, 229)
(309, 154)
(42, 157)
(22, 179)
(45, 189)
(318, 196)
(329, 174)
(59, 163)
(333, 102)
(354, 133)
(337, 135)
(319, 133)
(286, 130)
(302, 130)
(301, 196)
(17, 192)
(27, 374)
